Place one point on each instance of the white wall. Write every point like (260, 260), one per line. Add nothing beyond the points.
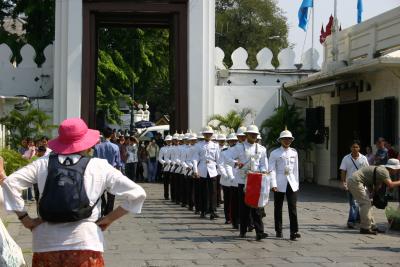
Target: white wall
(262, 99)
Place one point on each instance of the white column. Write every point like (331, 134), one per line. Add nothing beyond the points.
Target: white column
(67, 60)
(201, 61)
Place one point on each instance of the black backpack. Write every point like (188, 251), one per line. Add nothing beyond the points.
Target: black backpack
(64, 197)
(379, 199)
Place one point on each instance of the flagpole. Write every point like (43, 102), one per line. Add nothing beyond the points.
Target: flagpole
(312, 38)
(334, 34)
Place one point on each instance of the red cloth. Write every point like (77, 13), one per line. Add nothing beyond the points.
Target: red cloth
(68, 258)
(253, 189)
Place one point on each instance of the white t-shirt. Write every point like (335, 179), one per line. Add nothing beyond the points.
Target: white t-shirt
(82, 235)
(348, 166)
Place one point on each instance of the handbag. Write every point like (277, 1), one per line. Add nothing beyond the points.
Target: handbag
(379, 199)
(10, 252)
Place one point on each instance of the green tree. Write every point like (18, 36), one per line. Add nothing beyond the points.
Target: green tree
(133, 57)
(30, 123)
(232, 120)
(251, 24)
(39, 27)
(287, 115)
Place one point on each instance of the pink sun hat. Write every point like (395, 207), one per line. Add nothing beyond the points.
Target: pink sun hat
(74, 136)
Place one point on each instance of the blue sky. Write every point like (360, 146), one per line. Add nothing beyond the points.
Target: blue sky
(347, 16)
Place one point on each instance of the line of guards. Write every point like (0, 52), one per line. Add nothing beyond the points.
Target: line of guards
(197, 167)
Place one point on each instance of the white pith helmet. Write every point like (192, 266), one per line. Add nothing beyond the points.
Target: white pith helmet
(285, 134)
(186, 136)
(221, 137)
(181, 136)
(231, 136)
(207, 130)
(240, 131)
(168, 138)
(252, 129)
(193, 136)
(175, 136)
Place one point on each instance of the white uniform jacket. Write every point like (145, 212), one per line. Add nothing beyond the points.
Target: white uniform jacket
(205, 159)
(163, 157)
(175, 158)
(284, 165)
(225, 179)
(252, 156)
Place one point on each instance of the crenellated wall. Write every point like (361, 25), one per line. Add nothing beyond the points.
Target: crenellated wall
(27, 78)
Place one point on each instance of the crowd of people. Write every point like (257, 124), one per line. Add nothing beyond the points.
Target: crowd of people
(197, 168)
(137, 159)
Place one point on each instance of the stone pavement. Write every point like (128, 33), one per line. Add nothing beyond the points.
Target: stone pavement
(166, 234)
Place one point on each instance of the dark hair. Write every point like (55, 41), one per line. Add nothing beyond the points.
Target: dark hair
(107, 132)
(44, 138)
(41, 149)
(355, 142)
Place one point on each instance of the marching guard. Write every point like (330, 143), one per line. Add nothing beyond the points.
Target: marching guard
(283, 164)
(165, 159)
(249, 157)
(205, 158)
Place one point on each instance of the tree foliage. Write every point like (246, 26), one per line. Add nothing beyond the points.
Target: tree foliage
(251, 24)
(32, 123)
(287, 115)
(39, 16)
(232, 120)
(133, 57)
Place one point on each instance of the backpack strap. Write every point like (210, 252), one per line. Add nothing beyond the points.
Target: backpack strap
(374, 179)
(353, 162)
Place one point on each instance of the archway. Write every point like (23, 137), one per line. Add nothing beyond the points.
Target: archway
(161, 13)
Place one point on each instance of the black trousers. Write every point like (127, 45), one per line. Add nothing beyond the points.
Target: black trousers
(189, 191)
(130, 170)
(166, 176)
(182, 190)
(173, 186)
(245, 212)
(227, 202)
(234, 205)
(107, 203)
(292, 203)
(196, 193)
(219, 197)
(208, 194)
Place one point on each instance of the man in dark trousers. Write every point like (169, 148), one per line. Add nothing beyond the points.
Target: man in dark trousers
(110, 152)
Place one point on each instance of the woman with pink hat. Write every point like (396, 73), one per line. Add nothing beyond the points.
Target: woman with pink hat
(60, 239)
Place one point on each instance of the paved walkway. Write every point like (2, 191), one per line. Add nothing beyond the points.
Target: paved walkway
(167, 235)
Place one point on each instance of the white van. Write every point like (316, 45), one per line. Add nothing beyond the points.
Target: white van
(149, 133)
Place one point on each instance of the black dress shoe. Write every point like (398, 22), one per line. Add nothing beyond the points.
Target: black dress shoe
(260, 236)
(250, 228)
(293, 237)
(216, 215)
(279, 234)
(297, 235)
(212, 216)
(197, 212)
(368, 232)
(202, 215)
(190, 208)
(235, 226)
(242, 235)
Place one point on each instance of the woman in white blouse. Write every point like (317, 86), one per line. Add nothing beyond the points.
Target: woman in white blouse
(78, 243)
